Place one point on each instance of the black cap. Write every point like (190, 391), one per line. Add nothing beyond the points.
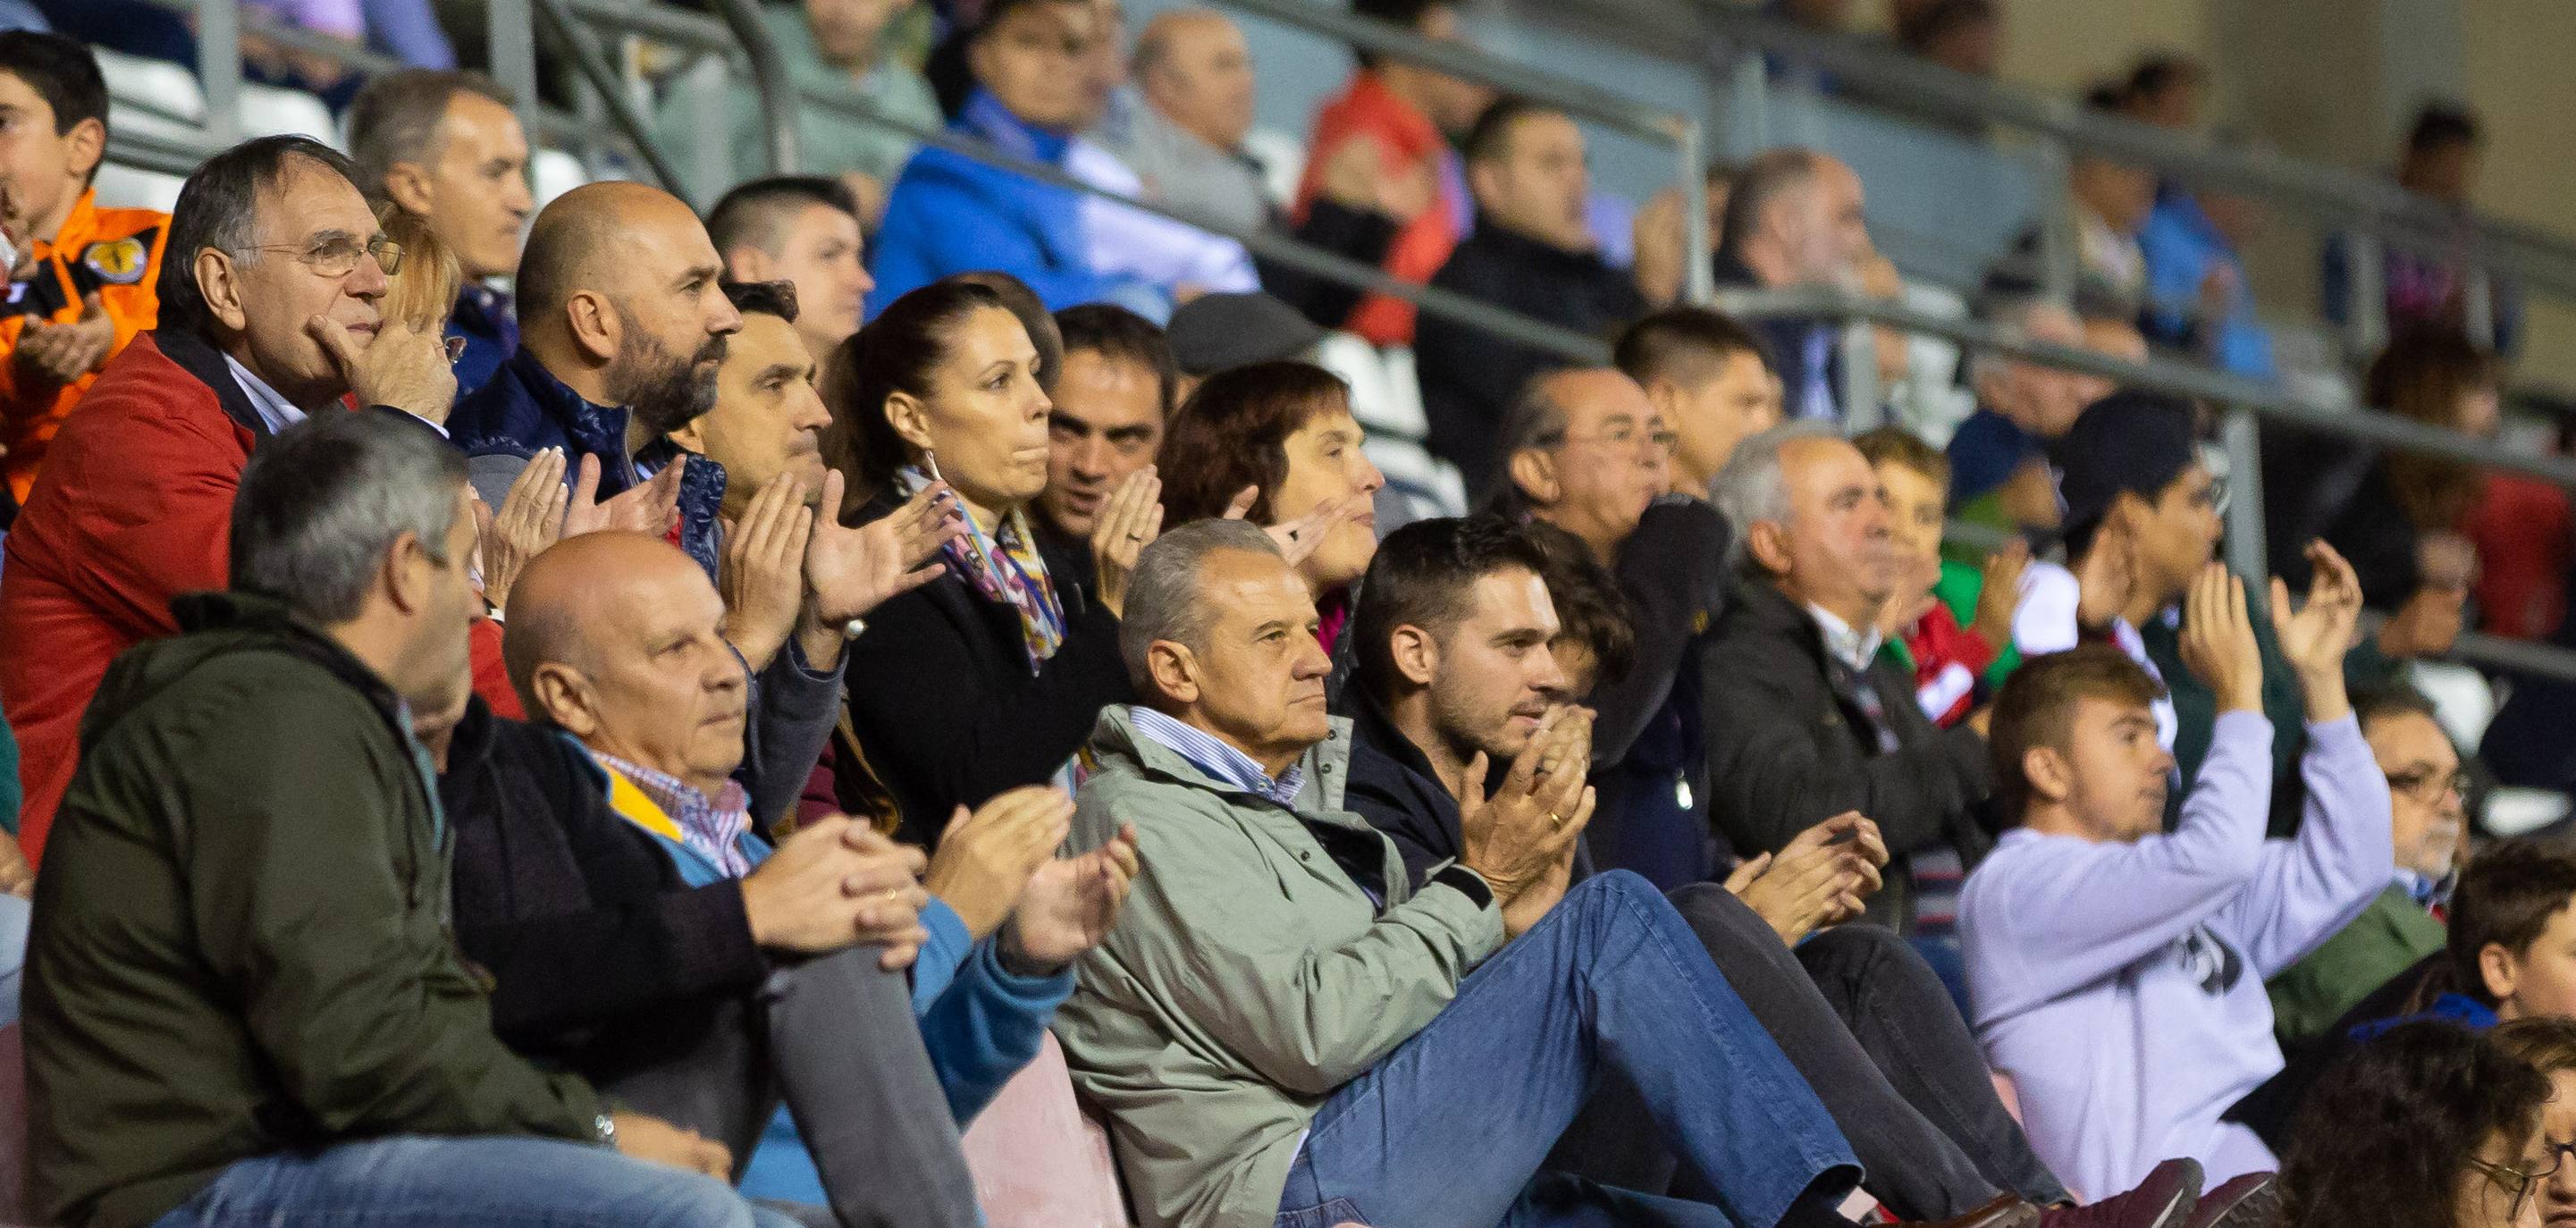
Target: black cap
(1217, 332)
(2131, 440)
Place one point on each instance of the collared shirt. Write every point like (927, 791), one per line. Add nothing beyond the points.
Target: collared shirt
(274, 409)
(712, 827)
(1852, 648)
(1214, 757)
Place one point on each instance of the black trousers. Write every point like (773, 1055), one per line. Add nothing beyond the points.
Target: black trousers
(1870, 1027)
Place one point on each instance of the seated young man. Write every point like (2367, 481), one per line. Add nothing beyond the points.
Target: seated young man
(1459, 666)
(1285, 1031)
(2117, 970)
(244, 1002)
(613, 877)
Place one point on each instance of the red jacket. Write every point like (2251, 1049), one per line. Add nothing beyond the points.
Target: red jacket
(1406, 139)
(133, 507)
(1947, 660)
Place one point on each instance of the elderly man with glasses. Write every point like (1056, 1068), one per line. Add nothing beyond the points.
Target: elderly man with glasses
(269, 293)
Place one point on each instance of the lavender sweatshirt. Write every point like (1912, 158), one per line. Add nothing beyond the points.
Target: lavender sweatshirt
(2121, 985)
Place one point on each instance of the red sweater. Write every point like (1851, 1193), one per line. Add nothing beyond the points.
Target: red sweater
(133, 507)
(1948, 659)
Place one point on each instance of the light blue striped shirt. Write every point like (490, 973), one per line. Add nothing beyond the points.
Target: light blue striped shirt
(1214, 757)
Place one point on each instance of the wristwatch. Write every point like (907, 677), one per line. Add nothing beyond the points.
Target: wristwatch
(605, 1126)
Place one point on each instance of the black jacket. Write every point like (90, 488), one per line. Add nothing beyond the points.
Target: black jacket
(582, 920)
(2319, 487)
(1649, 752)
(1392, 786)
(944, 703)
(1469, 376)
(1788, 747)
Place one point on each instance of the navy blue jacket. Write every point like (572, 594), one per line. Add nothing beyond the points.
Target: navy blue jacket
(524, 408)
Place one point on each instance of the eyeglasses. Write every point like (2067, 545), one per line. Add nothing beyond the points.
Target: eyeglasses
(2425, 787)
(338, 257)
(2519, 1182)
(1659, 441)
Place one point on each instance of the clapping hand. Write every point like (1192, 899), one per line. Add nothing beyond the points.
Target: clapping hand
(986, 858)
(763, 570)
(1999, 598)
(1128, 522)
(1071, 902)
(850, 572)
(651, 508)
(2315, 639)
(531, 518)
(1298, 539)
(1822, 878)
(62, 353)
(1523, 836)
(2218, 640)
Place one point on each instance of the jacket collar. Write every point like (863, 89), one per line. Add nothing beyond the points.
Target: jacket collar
(1115, 741)
(592, 427)
(202, 361)
(236, 610)
(79, 227)
(1527, 251)
(985, 116)
(1373, 728)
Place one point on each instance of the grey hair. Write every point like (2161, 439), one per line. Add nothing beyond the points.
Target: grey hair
(2011, 312)
(1771, 176)
(396, 117)
(218, 208)
(1752, 488)
(1163, 600)
(322, 502)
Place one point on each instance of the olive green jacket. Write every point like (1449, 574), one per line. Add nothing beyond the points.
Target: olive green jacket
(241, 937)
(2387, 938)
(1248, 977)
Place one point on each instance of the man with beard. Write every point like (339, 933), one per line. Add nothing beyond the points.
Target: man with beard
(622, 327)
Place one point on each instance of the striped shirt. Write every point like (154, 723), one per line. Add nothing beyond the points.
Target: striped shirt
(713, 828)
(1221, 762)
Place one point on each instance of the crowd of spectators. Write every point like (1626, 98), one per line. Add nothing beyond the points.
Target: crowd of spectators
(671, 741)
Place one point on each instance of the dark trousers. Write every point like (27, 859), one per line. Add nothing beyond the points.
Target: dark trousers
(836, 1036)
(1868, 1026)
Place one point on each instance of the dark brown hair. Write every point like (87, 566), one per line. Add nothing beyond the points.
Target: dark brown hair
(2393, 1125)
(1894, 445)
(2505, 898)
(1590, 608)
(1233, 432)
(899, 351)
(2037, 708)
(2422, 375)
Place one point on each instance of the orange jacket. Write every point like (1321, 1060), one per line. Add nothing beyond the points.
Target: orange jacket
(115, 253)
(1406, 138)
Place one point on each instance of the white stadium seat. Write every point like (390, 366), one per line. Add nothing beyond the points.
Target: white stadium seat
(126, 187)
(554, 173)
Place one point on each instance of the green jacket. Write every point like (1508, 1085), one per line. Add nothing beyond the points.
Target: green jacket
(1248, 978)
(2387, 938)
(241, 941)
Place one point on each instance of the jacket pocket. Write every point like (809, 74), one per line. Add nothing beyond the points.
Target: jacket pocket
(1331, 1214)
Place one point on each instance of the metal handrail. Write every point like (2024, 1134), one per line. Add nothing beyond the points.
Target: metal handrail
(2347, 199)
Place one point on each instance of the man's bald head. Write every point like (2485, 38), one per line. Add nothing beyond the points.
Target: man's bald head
(618, 640)
(574, 591)
(594, 236)
(1194, 68)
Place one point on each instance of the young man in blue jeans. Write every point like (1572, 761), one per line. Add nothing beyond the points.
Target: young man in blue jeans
(1286, 1033)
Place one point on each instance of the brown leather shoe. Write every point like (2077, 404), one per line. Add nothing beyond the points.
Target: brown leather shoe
(2166, 1199)
(2006, 1211)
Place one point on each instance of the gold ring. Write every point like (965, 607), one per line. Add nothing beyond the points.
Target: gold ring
(1555, 822)
(1135, 537)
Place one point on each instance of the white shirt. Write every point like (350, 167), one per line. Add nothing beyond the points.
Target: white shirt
(1853, 648)
(274, 410)
(2045, 622)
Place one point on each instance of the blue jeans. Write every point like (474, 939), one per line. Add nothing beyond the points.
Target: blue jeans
(412, 1181)
(1451, 1128)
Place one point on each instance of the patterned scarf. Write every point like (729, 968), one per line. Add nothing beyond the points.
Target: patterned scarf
(1004, 566)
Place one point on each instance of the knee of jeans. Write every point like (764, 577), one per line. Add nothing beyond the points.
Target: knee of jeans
(1620, 885)
(695, 1199)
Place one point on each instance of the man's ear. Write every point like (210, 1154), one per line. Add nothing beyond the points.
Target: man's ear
(743, 262)
(691, 437)
(1533, 470)
(596, 326)
(407, 185)
(2496, 966)
(1175, 670)
(88, 140)
(1666, 396)
(2051, 777)
(406, 570)
(219, 282)
(1417, 655)
(564, 697)
(1768, 542)
(910, 418)
(1483, 182)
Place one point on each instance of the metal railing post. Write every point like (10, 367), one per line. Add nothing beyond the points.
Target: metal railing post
(2480, 313)
(2241, 438)
(604, 83)
(770, 76)
(1748, 95)
(2060, 257)
(1699, 274)
(512, 31)
(2366, 282)
(219, 68)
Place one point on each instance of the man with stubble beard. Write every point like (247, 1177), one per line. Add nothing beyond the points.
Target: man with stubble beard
(623, 325)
